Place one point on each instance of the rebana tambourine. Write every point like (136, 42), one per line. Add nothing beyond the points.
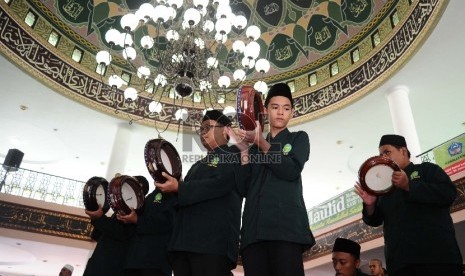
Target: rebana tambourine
(161, 156)
(249, 108)
(125, 193)
(375, 175)
(95, 194)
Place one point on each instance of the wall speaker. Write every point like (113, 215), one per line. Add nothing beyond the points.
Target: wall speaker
(13, 160)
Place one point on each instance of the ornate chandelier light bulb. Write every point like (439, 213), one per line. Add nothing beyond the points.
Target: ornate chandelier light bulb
(183, 46)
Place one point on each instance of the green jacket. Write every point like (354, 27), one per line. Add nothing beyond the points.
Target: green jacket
(418, 228)
(209, 208)
(274, 208)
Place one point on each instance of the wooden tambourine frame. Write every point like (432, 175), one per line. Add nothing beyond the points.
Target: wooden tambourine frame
(161, 156)
(249, 108)
(125, 193)
(375, 175)
(95, 194)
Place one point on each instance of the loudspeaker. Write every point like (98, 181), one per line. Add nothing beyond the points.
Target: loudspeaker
(13, 160)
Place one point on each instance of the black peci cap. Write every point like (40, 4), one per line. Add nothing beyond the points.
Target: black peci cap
(218, 116)
(348, 246)
(279, 89)
(393, 140)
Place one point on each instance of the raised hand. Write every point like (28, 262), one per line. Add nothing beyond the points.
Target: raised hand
(367, 198)
(400, 180)
(235, 138)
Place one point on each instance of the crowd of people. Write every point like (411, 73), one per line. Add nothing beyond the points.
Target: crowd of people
(198, 225)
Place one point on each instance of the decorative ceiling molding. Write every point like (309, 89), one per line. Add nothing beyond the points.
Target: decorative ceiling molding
(29, 49)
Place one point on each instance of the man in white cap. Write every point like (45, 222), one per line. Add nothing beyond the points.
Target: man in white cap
(66, 270)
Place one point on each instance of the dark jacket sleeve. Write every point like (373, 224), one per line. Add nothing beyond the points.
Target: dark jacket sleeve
(434, 187)
(376, 219)
(292, 163)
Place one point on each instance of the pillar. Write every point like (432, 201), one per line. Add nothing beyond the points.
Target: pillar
(402, 119)
(120, 150)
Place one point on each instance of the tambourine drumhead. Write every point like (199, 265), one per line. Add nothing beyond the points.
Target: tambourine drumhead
(249, 108)
(100, 195)
(94, 194)
(161, 156)
(375, 175)
(125, 193)
(129, 195)
(165, 160)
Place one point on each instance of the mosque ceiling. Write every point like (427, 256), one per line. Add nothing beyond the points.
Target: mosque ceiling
(331, 52)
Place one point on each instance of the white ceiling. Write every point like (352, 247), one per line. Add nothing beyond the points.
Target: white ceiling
(64, 138)
(37, 258)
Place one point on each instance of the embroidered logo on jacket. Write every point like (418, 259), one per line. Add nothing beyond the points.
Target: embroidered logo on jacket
(287, 148)
(214, 162)
(158, 198)
(414, 175)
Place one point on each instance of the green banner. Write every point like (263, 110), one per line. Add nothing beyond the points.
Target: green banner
(336, 209)
(451, 156)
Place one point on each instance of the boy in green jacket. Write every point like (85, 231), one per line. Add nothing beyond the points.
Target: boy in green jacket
(205, 239)
(275, 227)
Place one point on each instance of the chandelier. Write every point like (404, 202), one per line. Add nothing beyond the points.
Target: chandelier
(182, 47)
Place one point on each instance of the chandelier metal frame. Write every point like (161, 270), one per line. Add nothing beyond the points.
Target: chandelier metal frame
(181, 48)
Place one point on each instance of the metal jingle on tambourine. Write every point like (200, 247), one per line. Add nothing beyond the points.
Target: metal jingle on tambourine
(125, 193)
(94, 194)
(375, 175)
(161, 156)
(249, 108)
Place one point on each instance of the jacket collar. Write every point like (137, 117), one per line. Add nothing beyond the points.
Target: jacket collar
(219, 149)
(280, 135)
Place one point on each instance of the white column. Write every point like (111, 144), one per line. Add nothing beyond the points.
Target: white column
(402, 119)
(119, 153)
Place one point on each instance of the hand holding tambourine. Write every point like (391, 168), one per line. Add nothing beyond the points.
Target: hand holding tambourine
(236, 138)
(376, 175)
(126, 194)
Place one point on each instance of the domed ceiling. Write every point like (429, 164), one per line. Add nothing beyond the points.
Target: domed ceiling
(330, 52)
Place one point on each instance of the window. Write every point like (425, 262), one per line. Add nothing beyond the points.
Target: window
(375, 39)
(291, 85)
(312, 80)
(221, 99)
(101, 69)
(149, 86)
(172, 93)
(334, 69)
(394, 18)
(126, 77)
(53, 38)
(77, 55)
(197, 97)
(30, 19)
(355, 55)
